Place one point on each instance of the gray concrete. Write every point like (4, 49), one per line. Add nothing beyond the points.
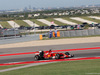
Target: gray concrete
(30, 57)
(17, 39)
(53, 47)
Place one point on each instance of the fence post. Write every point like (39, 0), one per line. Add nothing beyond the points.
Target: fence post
(40, 37)
(53, 34)
(58, 34)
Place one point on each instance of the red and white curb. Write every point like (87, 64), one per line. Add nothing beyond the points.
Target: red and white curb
(29, 62)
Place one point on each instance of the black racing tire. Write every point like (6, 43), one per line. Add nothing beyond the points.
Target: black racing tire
(37, 57)
(57, 56)
(72, 55)
(67, 53)
(42, 58)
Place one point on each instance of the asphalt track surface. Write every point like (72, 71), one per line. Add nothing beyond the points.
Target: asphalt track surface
(30, 57)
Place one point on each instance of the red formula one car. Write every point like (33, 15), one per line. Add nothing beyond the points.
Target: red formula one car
(51, 55)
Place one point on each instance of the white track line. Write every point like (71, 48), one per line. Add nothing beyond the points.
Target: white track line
(29, 65)
(95, 17)
(1, 26)
(13, 24)
(65, 21)
(46, 22)
(83, 20)
(31, 23)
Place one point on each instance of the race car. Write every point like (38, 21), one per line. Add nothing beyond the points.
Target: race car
(41, 55)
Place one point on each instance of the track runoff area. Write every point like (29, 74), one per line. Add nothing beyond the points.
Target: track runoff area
(57, 60)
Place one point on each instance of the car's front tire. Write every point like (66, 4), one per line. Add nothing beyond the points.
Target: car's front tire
(67, 53)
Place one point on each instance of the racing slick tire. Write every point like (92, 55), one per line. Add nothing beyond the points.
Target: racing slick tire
(37, 57)
(67, 53)
(57, 56)
(72, 55)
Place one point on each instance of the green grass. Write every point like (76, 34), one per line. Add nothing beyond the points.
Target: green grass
(38, 22)
(91, 19)
(10, 66)
(5, 24)
(55, 21)
(61, 68)
(22, 23)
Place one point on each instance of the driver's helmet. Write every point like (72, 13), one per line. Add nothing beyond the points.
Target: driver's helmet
(40, 51)
(50, 51)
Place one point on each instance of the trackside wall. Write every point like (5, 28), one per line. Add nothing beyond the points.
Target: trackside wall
(76, 33)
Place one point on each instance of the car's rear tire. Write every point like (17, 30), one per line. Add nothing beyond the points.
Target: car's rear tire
(42, 58)
(67, 53)
(37, 57)
(57, 56)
